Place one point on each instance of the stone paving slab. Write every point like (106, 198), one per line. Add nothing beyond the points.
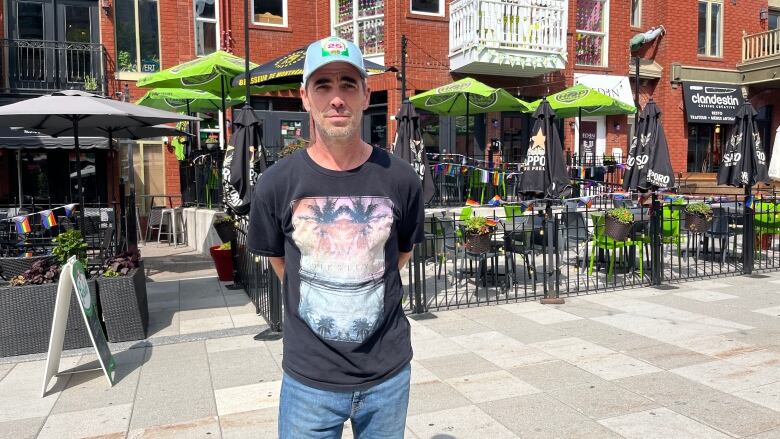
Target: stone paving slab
(698, 361)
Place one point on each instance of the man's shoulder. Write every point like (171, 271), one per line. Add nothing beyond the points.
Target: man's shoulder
(284, 167)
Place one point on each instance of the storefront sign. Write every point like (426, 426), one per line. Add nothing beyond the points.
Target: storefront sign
(588, 147)
(616, 87)
(711, 103)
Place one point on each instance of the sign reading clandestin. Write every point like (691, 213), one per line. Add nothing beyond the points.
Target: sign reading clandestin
(711, 103)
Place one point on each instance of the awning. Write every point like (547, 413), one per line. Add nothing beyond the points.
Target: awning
(617, 87)
(711, 103)
(17, 139)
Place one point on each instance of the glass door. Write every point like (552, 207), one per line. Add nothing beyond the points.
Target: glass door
(31, 25)
(79, 64)
(700, 148)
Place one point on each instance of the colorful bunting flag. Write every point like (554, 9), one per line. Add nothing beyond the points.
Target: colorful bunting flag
(69, 209)
(472, 203)
(749, 201)
(491, 222)
(586, 202)
(48, 220)
(22, 225)
(495, 201)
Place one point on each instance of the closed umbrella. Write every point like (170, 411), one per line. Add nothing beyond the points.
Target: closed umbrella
(744, 160)
(465, 97)
(408, 145)
(74, 110)
(287, 71)
(245, 160)
(544, 170)
(649, 165)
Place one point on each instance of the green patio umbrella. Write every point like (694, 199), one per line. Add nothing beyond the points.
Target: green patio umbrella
(467, 96)
(211, 73)
(582, 100)
(184, 100)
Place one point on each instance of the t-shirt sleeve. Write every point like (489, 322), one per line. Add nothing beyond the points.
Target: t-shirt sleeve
(266, 234)
(410, 230)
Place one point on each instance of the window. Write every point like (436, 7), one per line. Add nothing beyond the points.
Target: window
(366, 28)
(137, 36)
(428, 7)
(269, 12)
(774, 19)
(636, 13)
(592, 25)
(710, 27)
(206, 23)
(29, 18)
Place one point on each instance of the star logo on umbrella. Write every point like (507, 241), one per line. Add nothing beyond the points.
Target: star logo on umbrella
(537, 145)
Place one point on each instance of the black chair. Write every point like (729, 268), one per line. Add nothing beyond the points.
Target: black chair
(106, 250)
(721, 230)
(518, 240)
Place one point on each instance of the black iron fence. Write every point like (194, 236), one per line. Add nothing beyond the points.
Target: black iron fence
(38, 66)
(256, 275)
(201, 180)
(535, 250)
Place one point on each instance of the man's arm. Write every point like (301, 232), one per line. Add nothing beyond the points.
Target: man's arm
(278, 265)
(403, 258)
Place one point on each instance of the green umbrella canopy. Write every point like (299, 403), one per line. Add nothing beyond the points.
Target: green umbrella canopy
(208, 73)
(177, 100)
(450, 99)
(567, 103)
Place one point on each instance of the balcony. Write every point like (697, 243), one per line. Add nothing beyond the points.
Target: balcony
(40, 67)
(760, 57)
(508, 37)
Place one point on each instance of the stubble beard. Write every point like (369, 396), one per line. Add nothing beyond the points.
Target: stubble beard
(337, 134)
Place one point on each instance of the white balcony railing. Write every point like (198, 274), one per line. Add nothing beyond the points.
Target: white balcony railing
(531, 26)
(760, 45)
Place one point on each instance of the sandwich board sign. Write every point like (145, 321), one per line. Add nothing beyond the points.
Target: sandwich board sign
(72, 277)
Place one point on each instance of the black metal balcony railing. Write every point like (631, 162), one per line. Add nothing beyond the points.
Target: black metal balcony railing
(38, 66)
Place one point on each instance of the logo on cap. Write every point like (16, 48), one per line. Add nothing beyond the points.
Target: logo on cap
(334, 46)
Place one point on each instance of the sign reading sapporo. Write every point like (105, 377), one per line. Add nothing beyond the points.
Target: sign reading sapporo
(711, 103)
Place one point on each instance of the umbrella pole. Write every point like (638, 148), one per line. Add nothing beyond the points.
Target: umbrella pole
(224, 113)
(468, 144)
(19, 174)
(579, 133)
(748, 234)
(550, 294)
(78, 173)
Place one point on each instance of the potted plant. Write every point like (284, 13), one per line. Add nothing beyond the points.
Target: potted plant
(70, 243)
(223, 260)
(477, 231)
(293, 146)
(226, 228)
(618, 223)
(698, 217)
(122, 293)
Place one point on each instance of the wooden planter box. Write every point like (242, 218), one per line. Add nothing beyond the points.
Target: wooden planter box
(124, 305)
(26, 315)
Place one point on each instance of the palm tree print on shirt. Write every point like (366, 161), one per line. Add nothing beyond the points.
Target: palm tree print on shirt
(342, 242)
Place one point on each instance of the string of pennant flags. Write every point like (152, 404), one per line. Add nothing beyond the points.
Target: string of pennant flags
(588, 201)
(47, 218)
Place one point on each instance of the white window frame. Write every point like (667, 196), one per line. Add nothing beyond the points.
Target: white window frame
(638, 13)
(604, 34)
(214, 20)
(284, 16)
(708, 32)
(376, 57)
(127, 75)
(433, 14)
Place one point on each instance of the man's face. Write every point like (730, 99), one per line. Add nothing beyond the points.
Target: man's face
(336, 95)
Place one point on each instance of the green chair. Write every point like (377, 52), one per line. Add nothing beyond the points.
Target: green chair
(604, 242)
(767, 221)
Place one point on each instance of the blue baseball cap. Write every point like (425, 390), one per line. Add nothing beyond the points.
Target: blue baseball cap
(332, 49)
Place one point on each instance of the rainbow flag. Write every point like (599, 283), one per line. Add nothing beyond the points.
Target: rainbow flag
(585, 202)
(495, 201)
(22, 225)
(526, 207)
(582, 173)
(749, 201)
(48, 220)
(472, 203)
(69, 209)
(491, 222)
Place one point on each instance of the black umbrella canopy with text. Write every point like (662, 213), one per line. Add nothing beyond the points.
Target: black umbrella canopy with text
(245, 160)
(544, 170)
(649, 165)
(744, 160)
(408, 145)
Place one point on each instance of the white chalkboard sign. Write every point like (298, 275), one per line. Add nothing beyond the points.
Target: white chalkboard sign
(72, 276)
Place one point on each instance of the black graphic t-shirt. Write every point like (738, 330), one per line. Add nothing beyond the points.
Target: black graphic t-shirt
(340, 233)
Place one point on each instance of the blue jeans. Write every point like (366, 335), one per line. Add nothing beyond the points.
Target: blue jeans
(376, 413)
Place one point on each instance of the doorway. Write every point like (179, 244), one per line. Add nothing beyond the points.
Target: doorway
(703, 153)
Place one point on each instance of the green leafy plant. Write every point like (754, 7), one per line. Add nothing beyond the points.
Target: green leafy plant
(223, 220)
(292, 147)
(125, 63)
(477, 225)
(621, 215)
(701, 209)
(121, 264)
(90, 83)
(41, 272)
(68, 244)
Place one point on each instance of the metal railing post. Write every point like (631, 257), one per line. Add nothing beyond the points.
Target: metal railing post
(419, 306)
(656, 250)
(551, 291)
(748, 233)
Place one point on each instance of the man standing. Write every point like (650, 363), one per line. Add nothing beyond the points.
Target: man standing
(338, 220)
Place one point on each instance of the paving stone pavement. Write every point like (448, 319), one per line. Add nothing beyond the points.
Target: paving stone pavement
(699, 361)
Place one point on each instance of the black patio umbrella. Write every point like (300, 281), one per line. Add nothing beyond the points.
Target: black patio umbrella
(744, 160)
(544, 170)
(287, 70)
(649, 165)
(245, 160)
(408, 145)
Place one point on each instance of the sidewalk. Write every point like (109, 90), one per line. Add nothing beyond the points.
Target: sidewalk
(700, 361)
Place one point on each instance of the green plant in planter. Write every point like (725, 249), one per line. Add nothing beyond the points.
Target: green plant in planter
(68, 244)
(41, 272)
(292, 147)
(621, 215)
(477, 225)
(702, 209)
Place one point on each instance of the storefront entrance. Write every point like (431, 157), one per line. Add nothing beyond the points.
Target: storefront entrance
(703, 150)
